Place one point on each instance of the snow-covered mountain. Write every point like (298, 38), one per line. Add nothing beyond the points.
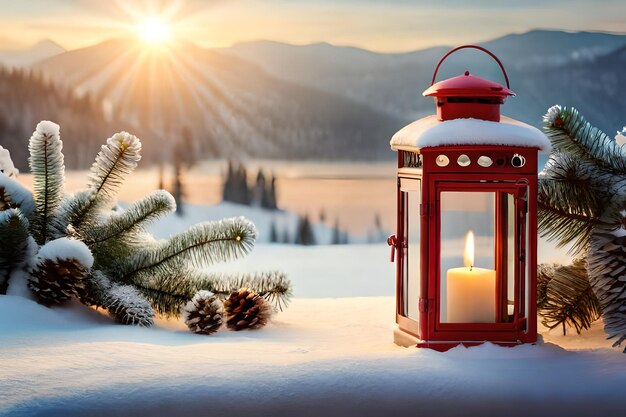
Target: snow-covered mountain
(233, 107)
(393, 83)
(25, 57)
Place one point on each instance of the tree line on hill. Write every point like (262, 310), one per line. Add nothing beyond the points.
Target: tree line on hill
(26, 98)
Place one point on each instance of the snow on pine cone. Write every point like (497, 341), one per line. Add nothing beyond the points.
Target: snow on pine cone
(127, 306)
(204, 313)
(246, 309)
(59, 270)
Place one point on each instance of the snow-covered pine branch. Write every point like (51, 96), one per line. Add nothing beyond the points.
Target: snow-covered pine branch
(201, 245)
(15, 195)
(14, 243)
(126, 305)
(568, 131)
(132, 219)
(581, 200)
(572, 196)
(274, 286)
(115, 161)
(48, 169)
(606, 261)
(168, 291)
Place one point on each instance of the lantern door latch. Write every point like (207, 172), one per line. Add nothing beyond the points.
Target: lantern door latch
(393, 242)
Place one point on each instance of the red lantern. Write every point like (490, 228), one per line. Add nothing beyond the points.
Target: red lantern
(466, 241)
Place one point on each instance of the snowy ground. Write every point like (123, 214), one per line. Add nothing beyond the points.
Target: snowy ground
(330, 353)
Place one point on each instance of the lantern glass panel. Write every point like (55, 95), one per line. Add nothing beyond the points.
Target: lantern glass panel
(484, 277)
(467, 280)
(412, 196)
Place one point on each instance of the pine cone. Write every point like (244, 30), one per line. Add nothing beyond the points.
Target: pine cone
(57, 280)
(246, 309)
(96, 289)
(127, 306)
(204, 314)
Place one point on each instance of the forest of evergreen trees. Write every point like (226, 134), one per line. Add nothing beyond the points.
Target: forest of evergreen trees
(237, 190)
(26, 98)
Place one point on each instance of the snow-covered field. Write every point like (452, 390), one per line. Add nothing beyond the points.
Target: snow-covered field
(330, 353)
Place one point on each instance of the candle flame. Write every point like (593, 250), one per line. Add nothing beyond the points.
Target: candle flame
(468, 257)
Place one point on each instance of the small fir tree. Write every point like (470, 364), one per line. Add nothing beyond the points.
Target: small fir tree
(336, 236)
(179, 192)
(273, 232)
(304, 233)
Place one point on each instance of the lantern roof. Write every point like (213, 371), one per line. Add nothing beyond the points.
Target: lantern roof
(467, 85)
(430, 132)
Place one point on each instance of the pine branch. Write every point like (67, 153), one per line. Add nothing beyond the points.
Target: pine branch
(545, 273)
(68, 214)
(115, 256)
(48, 169)
(571, 183)
(274, 286)
(607, 271)
(572, 197)
(570, 132)
(131, 220)
(168, 292)
(13, 243)
(570, 299)
(115, 161)
(201, 245)
(556, 223)
(15, 195)
(127, 306)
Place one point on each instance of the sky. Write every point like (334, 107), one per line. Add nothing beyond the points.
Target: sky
(380, 25)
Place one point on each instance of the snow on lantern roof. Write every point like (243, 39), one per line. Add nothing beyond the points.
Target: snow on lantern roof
(429, 132)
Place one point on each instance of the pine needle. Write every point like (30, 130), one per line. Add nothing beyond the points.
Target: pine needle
(607, 269)
(570, 300)
(569, 132)
(48, 169)
(274, 286)
(202, 245)
(116, 160)
(14, 243)
(126, 224)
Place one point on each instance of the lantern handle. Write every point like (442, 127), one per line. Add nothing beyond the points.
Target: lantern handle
(480, 48)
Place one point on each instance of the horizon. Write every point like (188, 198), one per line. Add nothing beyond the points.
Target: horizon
(313, 43)
(396, 27)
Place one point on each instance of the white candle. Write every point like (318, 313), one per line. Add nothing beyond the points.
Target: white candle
(471, 291)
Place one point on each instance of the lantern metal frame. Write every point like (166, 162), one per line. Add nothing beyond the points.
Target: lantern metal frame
(512, 178)
(522, 183)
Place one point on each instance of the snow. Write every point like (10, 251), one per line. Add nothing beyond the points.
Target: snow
(64, 248)
(6, 163)
(552, 114)
(18, 194)
(620, 138)
(329, 356)
(329, 353)
(47, 128)
(429, 132)
(262, 218)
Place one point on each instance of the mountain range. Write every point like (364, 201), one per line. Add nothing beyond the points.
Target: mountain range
(319, 101)
(544, 67)
(21, 58)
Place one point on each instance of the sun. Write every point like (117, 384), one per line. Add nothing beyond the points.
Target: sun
(154, 30)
